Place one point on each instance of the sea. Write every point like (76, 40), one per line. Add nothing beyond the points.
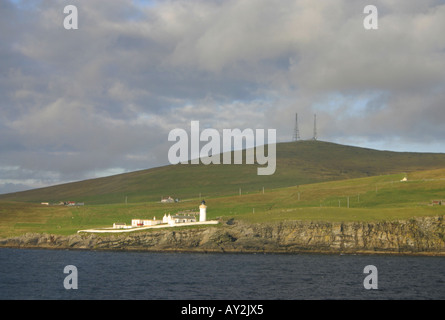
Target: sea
(41, 274)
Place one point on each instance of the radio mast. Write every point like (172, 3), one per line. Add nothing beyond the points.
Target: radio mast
(315, 127)
(296, 136)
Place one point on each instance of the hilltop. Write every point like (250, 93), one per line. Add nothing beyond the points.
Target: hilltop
(298, 163)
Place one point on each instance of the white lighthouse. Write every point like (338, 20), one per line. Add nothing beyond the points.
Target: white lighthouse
(202, 211)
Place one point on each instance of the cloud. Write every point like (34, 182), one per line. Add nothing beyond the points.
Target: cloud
(80, 103)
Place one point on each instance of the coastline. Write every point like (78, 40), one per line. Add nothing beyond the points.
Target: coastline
(418, 236)
(215, 251)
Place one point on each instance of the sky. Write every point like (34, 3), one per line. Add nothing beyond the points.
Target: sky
(102, 99)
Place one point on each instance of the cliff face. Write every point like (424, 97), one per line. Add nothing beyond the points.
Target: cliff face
(418, 236)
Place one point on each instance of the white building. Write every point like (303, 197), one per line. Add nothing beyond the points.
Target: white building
(171, 220)
(167, 200)
(203, 211)
(119, 225)
(145, 222)
(183, 219)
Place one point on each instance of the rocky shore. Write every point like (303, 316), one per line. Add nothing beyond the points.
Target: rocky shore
(420, 236)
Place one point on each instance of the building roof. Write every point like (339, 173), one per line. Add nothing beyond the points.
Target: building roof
(183, 217)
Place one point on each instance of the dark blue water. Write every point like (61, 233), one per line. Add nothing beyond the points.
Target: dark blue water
(38, 274)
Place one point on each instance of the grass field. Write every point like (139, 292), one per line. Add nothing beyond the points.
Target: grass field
(375, 198)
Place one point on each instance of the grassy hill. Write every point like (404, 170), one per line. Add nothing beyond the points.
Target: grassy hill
(374, 198)
(298, 163)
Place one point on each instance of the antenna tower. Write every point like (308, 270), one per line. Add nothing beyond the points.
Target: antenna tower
(296, 136)
(315, 127)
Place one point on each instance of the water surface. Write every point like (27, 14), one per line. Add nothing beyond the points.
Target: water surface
(38, 274)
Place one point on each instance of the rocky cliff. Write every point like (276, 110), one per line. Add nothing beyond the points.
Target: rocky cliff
(415, 236)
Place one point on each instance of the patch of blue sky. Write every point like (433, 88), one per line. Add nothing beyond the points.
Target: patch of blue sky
(26, 4)
(145, 3)
(351, 105)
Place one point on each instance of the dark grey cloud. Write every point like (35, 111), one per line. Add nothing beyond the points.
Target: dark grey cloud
(101, 99)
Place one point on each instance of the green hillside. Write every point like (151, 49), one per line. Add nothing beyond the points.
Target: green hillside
(374, 198)
(298, 163)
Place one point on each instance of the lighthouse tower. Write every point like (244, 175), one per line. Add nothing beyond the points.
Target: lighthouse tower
(202, 211)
